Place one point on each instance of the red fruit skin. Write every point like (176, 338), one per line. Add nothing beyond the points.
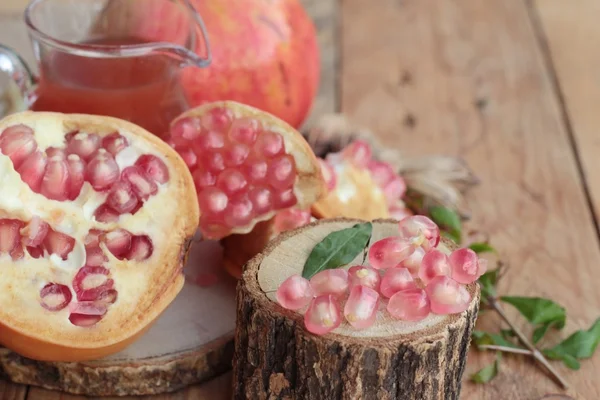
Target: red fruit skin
(264, 54)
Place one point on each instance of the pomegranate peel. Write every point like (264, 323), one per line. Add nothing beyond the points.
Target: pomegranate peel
(232, 142)
(57, 308)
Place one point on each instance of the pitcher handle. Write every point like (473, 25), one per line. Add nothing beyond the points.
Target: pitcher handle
(201, 29)
(21, 76)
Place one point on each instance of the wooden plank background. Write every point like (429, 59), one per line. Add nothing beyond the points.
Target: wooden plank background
(512, 86)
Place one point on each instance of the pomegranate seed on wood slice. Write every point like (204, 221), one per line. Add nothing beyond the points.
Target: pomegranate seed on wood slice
(102, 171)
(56, 152)
(256, 171)
(95, 257)
(154, 167)
(239, 211)
(447, 296)
(294, 293)
(83, 320)
(358, 153)
(262, 200)
(32, 170)
(236, 154)
(420, 230)
(395, 280)
(435, 263)
(413, 263)
(118, 242)
(409, 305)
(106, 214)
(214, 162)
(464, 265)
(218, 119)
(34, 233)
(141, 184)
(185, 131)
(291, 218)
(330, 281)
(365, 276)
(231, 181)
(212, 200)
(55, 184)
(58, 243)
(17, 143)
(55, 297)
(141, 248)
(10, 236)
(285, 199)
(121, 198)
(328, 174)
(90, 282)
(76, 167)
(387, 253)
(204, 178)
(381, 172)
(361, 307)
(35, 252)
(189, 157)
(84, 145)
(268, 144)
(244, 130)
(114, 143)
(282, 172)
(323, 315)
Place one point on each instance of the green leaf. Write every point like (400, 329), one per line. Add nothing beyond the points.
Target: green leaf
(482, 338)
(487, 282)
(448, 220)
(337, 249)
(507, 333)
(489, 372)
(482, 247)
(581, 344)
(452, 236)
(543, 313)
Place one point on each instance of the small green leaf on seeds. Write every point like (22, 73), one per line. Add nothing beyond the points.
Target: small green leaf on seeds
(488, 372)
(448, 220)
(337, 249)
(481, 247)
(581, 344)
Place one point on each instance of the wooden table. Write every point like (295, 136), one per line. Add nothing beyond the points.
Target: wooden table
(510, 85)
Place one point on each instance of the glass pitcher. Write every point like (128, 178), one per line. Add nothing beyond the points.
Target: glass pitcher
(121, 58)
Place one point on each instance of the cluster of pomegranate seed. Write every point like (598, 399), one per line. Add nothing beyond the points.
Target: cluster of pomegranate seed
(119, 242)
(35, 236)
(407, 275)
(240, 169)
(359, 153)
(59, 173)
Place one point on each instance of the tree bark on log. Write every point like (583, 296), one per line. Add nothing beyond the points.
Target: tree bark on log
(276, 358)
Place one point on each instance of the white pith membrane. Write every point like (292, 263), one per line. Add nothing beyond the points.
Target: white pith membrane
(138, 283)
(307, 186)
(288, 258)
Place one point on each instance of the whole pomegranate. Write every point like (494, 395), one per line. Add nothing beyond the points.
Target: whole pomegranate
(265, 54)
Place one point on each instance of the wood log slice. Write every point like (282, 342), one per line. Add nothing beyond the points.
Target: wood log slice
(277, 358)
(191, 342)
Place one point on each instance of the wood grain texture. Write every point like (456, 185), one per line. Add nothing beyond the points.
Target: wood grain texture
(12, 391)
(467, 78)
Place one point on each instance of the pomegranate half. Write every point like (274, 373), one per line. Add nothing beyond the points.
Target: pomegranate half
(96, 218)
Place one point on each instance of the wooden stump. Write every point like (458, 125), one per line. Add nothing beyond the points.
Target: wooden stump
(276, 358)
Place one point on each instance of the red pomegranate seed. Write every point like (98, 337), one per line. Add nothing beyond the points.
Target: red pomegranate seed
(269, 144)
(55, 184)
(17, 252)
(17, 142)
(204, 178)
(118, 242)
(35, 252)
(94, 257)
(83, 320)
(35, 232)
(256, 171)
(291, 218)
(90, 282)
(213, 227)
(32, 170)
(262, 199)
(108, 296)
(282, 172)
(76, 168)
(89, 307)
(58, 243)
(106, 214)
(285, 199)
(244, 130)
(212, 200)
(236, 154)
(189, 157)
(141, 248)
(232, 181)
(102, 171)
(121, 198)
(55, 297)
(154, 167)
(217, 119)
(92, 239)
(209, 141)
(141, 184)
(56, 152)
(114, 143)
(358, 152)
(186, 130)
(9, 235)
(213, 161)
(239, 211)
(84, 145)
